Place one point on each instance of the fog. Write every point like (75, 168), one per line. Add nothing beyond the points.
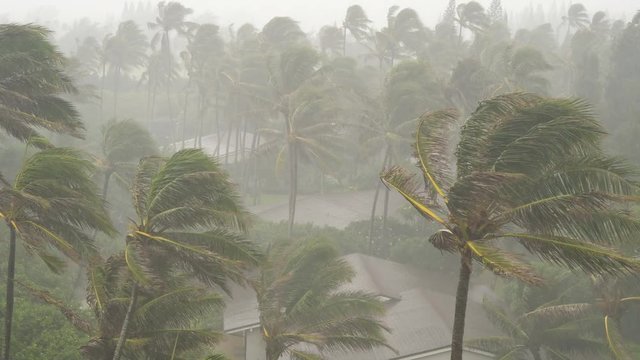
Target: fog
(320, 180)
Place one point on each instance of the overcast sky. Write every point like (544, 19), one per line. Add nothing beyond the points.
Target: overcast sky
(312, 14)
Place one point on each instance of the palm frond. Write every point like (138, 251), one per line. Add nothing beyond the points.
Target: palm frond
(503, 263)
(400, 180)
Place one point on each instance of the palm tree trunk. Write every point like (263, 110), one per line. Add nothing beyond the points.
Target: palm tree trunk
(293, 185)
(344, 41)
(11, 272)
(104, 75)
(375, 202)
(462, 295)
(116, 86)
(125, 323)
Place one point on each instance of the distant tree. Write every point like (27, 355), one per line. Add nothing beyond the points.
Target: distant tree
(553, 200)
(356, 23)
(471, 16)
(123, 144)
(50, 205)
(282, 32)
(33, 84)
(496, 12)
(576, 18)
(331, 40)
(302, 301)
(171, 18)
(123, 52)
(623, 84)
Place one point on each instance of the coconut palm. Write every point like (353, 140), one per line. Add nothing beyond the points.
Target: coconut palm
(164, 324)
(471, 16)
(50, 206)
(614, 298)
(32, 81)
(188, 219)
(123, 52)
(576, 18)
(171, 18)
(356, 23)
(531, 335)
(519, 69)
(331, 40)
(282, 32)
(306, 308)
(529, 171)
(404, 33)
(124, 144)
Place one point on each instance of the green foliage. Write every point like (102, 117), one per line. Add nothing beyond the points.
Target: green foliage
(301, 300)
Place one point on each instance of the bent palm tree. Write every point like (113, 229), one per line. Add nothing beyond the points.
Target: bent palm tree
(530, 171)
(541, 337)
(32, 78)
(188, 218)
(355, 22)
(124, 52)
(51, 206)
(613, 300)
(164, 325)
(303, 303)
(124, 143)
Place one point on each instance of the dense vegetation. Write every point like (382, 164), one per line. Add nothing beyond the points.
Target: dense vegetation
(130, 151)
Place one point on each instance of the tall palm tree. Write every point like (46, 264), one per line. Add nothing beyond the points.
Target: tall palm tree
(50, 206)
(576, 18)
(404, 33)
(171, 18)
(331, 40)
(305, 311)
(123, 52)
(32, 81)
(282, 32)
(356, 23)
(188, 219)
(540, 337)
(529, 171)
(471, 16)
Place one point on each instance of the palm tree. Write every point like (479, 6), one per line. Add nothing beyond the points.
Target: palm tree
(282, 32)
(123, 52)
(33, 80)
(188, 218)
(50, 206)
(124, 144)
(541, 337)
(331, 40)
(404, 33)
(164, 325)
(471, 16)
(519, 69)
(356, 23)
(530, 170)
(613, 300)
(576, 18)
(171, 17)
(305, 310)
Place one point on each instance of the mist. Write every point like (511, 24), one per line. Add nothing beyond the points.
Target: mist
(282, 180)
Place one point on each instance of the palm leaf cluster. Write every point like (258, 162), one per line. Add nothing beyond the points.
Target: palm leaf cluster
(537, 335)
(32, 81)
(166, 324)
(306, 308)
(531, 172)
(53, 205)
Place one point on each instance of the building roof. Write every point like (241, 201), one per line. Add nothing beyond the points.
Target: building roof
(419, 313)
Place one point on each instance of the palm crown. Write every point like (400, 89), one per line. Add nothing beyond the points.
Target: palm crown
(530, 171)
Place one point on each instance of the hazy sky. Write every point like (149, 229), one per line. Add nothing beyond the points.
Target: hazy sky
(311, 13)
